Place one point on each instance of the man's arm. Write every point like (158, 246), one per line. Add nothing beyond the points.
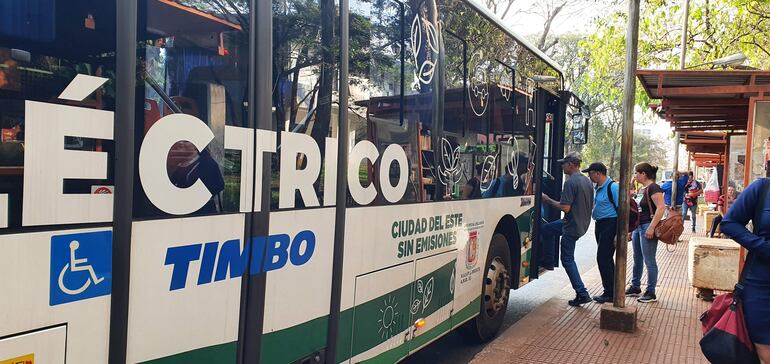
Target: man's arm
(556, 204)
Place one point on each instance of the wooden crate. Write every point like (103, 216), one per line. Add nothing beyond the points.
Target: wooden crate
(713, 263)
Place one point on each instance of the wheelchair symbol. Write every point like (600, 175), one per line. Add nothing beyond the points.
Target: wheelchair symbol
(77, 265)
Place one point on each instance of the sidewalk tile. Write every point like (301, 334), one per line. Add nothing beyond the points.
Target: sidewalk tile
(668, 330)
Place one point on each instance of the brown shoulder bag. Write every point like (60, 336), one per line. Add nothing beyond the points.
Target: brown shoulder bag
(669, 228)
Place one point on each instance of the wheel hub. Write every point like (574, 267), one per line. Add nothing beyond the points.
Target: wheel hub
(496, 287)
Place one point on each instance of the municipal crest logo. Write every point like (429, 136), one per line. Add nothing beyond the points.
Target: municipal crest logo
(472, 250)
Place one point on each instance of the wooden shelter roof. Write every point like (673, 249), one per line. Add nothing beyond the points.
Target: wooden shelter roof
(704, 100)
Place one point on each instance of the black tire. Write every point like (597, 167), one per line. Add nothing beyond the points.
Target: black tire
(485, 326)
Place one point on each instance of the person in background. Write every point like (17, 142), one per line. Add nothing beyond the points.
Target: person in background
(723, 204)
(681, 181)
(756, 282)
(606, 216)
(681, 185)
(576, 203)
(651, 209)
(693, 189)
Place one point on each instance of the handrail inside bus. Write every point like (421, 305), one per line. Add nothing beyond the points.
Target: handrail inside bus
(171, 104)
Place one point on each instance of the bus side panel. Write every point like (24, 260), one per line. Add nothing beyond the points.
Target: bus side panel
(380, 237)
(180, 312)
(31, 300)
(297, 297)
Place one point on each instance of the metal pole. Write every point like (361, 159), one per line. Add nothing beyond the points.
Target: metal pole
(674, 176)
(125, 106)
(674, 179)
(626, 150)
(343, 145)
(685, 19)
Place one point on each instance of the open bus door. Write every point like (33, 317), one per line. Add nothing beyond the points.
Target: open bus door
(552, 125)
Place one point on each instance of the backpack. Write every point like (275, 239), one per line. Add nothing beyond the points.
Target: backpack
(633, 208)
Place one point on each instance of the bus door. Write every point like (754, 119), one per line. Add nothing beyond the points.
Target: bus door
(550, 135)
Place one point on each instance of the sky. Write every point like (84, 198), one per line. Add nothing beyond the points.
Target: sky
(575, 18)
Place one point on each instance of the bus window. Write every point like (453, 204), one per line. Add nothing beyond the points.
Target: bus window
(193, 60)
(421, 44)
(305, 82)
(376, 91)
(455, 99)
(501, 97)
(41, 76)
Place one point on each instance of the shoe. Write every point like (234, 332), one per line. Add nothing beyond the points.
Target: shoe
(547, 266)
(579, 300)
(604, 298)
(647, 297)
(633, 291)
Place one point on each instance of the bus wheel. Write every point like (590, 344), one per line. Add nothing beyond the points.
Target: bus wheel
(495, 290)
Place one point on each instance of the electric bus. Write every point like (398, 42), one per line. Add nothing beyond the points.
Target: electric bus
(243, 181)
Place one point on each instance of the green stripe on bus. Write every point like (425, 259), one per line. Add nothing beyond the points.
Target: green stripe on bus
(470, 310)
(294, 343)
(396, 354)
(222, 353)
(373, 325)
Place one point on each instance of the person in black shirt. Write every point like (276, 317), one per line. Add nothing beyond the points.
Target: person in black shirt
(651, 209)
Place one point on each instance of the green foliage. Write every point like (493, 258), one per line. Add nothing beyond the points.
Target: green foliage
(594, 63)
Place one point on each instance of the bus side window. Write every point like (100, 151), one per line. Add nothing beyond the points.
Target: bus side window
(305, 74)
(194, 65)
(38, 65)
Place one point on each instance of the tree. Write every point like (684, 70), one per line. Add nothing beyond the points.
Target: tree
(594, 63)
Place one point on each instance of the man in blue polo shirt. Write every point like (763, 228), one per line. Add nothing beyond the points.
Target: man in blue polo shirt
(606, 215)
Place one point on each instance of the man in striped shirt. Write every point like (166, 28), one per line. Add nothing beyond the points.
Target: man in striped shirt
(723, 204)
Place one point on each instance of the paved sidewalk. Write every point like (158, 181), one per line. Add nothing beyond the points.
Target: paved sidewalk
(668, 331)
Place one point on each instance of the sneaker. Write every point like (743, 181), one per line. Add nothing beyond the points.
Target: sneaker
(632, 291)
(604, 298)
(579, 300)
(647, 297)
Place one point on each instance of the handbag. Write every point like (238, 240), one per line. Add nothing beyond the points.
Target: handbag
(725, 337)
(670, 228)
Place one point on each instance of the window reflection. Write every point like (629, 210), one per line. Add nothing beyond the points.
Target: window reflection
(194, 61)
(305, 77)
(37, 62)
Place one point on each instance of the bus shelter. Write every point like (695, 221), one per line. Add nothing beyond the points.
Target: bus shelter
(723, 117)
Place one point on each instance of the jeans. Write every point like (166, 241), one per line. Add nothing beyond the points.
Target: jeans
(549, 233)
(694, 212)
(714, 224)
(605, 231)
(644, 255)
(568, 261)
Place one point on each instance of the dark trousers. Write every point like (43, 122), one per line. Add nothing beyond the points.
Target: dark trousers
(605, 231)
(714, 225)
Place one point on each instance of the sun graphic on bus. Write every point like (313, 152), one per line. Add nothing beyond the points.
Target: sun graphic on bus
(389, 316)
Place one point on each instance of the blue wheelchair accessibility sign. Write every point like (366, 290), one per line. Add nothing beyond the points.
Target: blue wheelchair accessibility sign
(81, 266)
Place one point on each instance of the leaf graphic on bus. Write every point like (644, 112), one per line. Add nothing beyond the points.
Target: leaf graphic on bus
(416, 37)
(415, 307)
(426, 72)
(431, 37)
(427, 295)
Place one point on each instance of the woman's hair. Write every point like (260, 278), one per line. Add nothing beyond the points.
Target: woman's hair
(648, 169)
